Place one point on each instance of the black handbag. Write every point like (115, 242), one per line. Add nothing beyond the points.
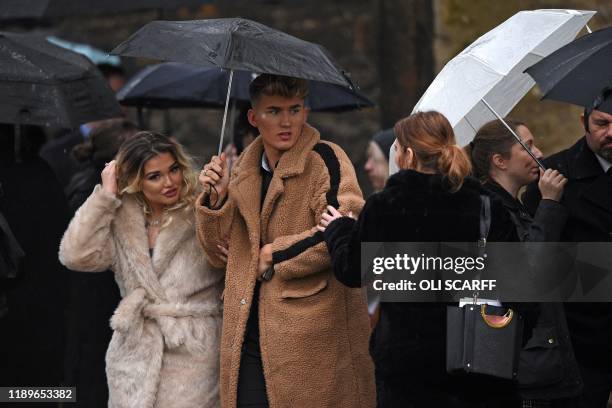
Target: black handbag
(483, 339)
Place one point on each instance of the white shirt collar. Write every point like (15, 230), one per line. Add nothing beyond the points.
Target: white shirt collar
(264, 163)
(605, 165)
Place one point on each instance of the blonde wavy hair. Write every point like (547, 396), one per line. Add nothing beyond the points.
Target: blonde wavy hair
(131, 159)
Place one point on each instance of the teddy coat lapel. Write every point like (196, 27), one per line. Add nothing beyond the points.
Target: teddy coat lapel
(245, 192)
(131, 235)
(169, 240)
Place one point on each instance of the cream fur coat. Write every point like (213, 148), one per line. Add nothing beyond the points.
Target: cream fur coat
(165, 346)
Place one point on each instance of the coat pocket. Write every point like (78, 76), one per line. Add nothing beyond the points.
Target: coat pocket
(302, 288)
(540, 362)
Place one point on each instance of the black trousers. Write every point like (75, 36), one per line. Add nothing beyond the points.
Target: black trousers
(251, 381)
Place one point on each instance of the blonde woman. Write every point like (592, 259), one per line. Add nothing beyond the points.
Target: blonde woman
(140, 223)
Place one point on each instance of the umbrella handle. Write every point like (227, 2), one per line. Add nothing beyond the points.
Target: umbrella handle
(229, 91)
(518, 139)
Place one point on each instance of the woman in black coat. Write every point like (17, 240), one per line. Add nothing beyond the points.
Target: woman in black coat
(548, 371)
(431, 199)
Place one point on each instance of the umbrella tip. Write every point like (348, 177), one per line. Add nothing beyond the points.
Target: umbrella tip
(349, 80)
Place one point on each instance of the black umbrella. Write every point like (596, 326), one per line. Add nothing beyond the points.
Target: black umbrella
(44, 84)
(38, 9)
(233, 44)
(177, 85)
(577, 72)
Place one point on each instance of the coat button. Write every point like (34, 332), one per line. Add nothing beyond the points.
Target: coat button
(243, 301)
(551, 340)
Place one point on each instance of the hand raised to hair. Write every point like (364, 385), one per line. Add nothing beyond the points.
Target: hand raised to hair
(109, 178)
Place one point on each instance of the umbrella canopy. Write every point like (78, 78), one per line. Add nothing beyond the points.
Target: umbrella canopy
(486, 80)
(38, 9)
(579, 71)
(233, 44)
(43, 84)
(176, 85)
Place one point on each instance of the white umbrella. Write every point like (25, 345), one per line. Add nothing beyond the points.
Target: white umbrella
(486, 80)
(392, 165)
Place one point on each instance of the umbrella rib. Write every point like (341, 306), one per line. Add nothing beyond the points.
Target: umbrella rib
(485, 63)
(228, 54)
(470, 124)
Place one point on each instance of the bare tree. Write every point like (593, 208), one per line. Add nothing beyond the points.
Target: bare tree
(405, 55)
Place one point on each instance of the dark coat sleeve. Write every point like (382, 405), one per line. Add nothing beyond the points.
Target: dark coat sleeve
(548, 222)
(344, 237)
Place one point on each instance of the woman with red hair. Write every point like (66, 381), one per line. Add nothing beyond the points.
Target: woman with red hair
(431, 199)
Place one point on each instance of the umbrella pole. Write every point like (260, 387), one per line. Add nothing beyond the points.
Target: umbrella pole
(518, 139)
(229, 91)
(588, 29)
(232, 122)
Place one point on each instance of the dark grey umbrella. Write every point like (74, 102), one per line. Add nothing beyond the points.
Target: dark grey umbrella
(577, 72)
(39, 9)
(233, 44)
(43, 84)
(178, 85)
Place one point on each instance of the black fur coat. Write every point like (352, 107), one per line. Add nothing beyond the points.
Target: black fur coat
(414, 207)
(408, 344)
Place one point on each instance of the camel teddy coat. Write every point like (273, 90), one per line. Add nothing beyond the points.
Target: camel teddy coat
(313, 330)
(165, 347)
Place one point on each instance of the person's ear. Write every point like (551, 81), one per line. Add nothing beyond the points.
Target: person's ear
(407, 158)
(499, 162)
(251, 117)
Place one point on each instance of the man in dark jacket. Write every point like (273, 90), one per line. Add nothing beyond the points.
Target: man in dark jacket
(588, 197)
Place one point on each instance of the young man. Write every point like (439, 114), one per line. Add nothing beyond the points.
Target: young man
(292, 335)
(588, 198)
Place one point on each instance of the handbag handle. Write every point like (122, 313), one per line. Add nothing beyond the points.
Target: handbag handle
(484, 226)
(496, 322)
(485, 220)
